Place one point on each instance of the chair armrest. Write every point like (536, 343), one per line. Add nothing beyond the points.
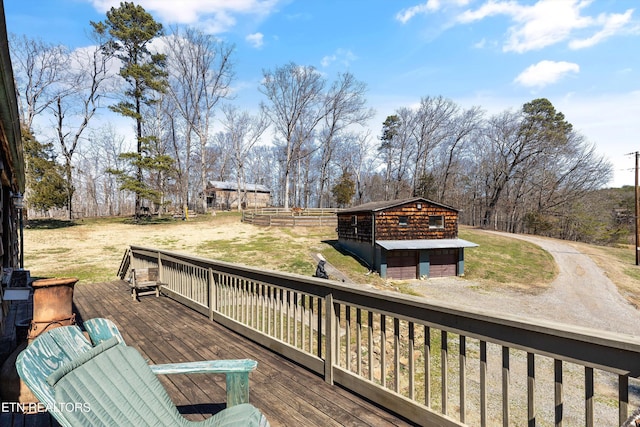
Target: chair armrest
(206, 367)
(236, 372)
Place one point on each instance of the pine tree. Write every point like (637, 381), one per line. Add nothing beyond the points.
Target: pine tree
(130, 30)
(344, 190)
(46, 186)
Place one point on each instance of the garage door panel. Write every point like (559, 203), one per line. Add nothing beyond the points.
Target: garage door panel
(442, 265)
(403, 265)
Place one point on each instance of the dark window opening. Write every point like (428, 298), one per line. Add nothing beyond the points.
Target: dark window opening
(436, 221)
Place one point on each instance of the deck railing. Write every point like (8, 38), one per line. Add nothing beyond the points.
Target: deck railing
(435, 364)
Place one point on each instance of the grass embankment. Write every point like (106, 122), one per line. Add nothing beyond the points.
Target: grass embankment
(92, 249)
(504, 262)
(618, 264)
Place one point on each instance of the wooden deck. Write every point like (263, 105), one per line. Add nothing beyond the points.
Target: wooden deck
(166, 331)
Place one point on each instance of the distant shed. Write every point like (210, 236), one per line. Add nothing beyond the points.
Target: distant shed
(224, 195)
(405, 239)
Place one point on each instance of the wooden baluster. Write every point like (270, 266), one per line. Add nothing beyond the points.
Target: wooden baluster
(558, 392)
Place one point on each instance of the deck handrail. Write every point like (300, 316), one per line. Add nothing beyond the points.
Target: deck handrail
(407, 354)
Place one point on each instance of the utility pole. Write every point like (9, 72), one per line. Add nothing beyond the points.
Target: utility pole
(637, 214)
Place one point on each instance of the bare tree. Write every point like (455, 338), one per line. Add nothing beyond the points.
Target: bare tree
(98, 192)
(430, 128)
(263, 167)
(38, 69)
(361, 162)
(296, 107)
(78, 98)
(345, 106)
(160, 164)
(179, 145)
(243, 132)
(397, 148)
(461, 128)
(519, 144)
(508, 151)
(201, 71)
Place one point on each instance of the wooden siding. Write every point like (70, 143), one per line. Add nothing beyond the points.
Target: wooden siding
(12, 182)
(360, 230)
(388, 226)
(228, 199)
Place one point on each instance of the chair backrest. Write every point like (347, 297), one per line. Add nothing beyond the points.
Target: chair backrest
(149, 274)
(47, 353)
(111, 385)
(101, 329)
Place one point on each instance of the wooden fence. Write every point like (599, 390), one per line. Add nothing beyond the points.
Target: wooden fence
(439, 365)
(280, 217)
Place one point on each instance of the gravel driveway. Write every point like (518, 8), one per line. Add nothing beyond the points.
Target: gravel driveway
(580, 295)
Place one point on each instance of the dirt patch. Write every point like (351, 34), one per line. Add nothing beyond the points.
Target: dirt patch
(98, 249)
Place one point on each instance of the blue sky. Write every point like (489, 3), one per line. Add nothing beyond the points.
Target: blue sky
(497, 54)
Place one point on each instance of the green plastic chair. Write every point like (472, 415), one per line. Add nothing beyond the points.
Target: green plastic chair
(107, 385)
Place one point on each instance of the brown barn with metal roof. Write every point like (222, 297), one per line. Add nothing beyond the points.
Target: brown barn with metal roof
(227, 195)
(404, 239)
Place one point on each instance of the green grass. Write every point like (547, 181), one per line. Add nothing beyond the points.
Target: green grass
(498, 261)
(89, 273)
(507, 262)
(346, 263)
(273, 249)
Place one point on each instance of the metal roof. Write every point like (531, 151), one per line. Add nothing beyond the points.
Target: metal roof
(391, 245)
(382, 205)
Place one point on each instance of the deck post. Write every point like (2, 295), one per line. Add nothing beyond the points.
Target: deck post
(160, 275)
(212, 293)
(329, 330)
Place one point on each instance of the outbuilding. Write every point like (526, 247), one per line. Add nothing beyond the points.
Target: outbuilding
(404, 239)
(226, 195)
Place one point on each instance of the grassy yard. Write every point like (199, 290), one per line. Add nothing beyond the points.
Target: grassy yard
(92, 250)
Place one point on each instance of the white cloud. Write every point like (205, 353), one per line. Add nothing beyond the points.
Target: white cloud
(431, 6)
(256, 40)
(611, 25)
(546, 72)
(547, 22)
(481, 44)
(342, 56)
(490, 8)
(218, 23)
(405, 15)
(214, 16)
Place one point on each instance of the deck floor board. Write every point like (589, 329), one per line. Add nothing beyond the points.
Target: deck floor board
(166, 331)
